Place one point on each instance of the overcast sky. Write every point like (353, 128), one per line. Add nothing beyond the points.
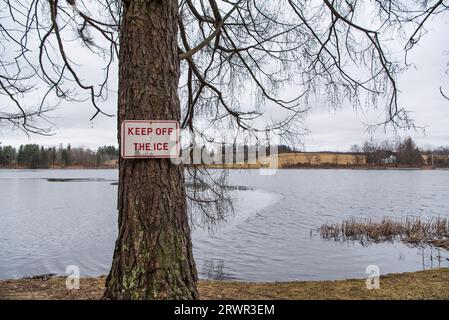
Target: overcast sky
(329, 130)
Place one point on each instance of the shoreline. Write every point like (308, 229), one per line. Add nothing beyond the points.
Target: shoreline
(426, 284)
(258, 168)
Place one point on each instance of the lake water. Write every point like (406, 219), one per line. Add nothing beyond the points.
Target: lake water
(46, 226)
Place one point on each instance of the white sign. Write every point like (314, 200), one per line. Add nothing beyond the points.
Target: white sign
(150, 139)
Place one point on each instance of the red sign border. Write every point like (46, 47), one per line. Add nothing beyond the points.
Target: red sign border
(122, 149)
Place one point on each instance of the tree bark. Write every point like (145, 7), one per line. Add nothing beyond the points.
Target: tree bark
(153, 253)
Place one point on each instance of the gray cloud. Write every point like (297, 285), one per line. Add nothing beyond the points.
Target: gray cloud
(330, 130)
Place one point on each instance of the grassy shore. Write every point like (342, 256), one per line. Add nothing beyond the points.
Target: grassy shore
(428, 284)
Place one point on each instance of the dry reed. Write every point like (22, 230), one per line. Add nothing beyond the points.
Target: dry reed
(414, 231)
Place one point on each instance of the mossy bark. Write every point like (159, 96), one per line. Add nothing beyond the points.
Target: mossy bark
(153, 253)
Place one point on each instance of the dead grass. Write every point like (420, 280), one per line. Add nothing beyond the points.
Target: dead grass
(429, 284)
(412, 231)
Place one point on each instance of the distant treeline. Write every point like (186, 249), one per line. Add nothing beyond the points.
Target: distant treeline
(35, 156)
(401, 152)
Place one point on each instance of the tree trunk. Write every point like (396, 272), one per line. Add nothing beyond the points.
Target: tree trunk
(153, 253)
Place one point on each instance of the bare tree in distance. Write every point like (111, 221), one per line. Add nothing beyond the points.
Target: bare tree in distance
(250, 65)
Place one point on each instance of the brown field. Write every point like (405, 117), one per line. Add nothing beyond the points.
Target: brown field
(428, 284)
(300, 159)
(320, 159)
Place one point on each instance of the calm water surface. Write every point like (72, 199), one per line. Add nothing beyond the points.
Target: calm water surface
(45, 226)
